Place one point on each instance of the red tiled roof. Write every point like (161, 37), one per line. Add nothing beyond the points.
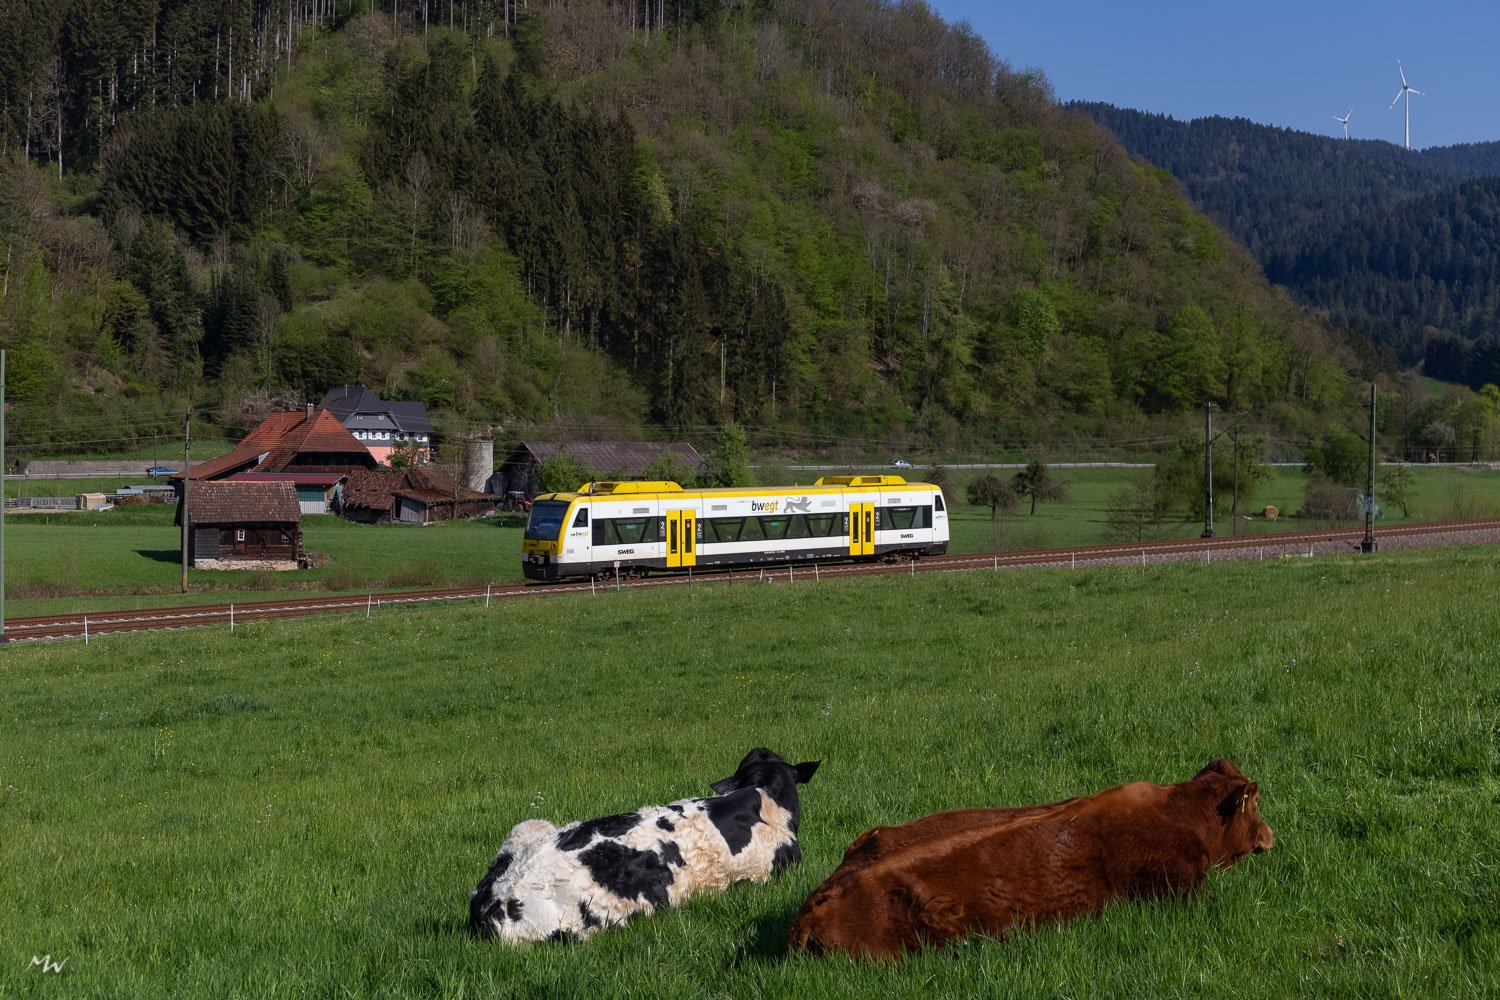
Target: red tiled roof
(284, 436)
(240, 502)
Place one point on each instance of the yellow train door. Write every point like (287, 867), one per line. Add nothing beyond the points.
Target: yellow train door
(682, 530)
(861, 529)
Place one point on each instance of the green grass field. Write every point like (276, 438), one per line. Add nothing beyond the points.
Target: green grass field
(300, 809)
(57, 562)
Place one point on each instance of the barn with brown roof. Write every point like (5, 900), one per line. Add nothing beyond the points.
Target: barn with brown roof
(425, 494)
(520, 472)
(244, 525)
(293, 441)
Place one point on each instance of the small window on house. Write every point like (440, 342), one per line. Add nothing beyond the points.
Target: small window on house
(239, 534)
(286, 539)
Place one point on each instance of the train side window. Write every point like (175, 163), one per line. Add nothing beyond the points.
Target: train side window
(822, 525)
(774, 527)
(924, 518)
(726, 529)
(900, 517)
(754, 530)
(582, 520)
(938, 502)
(650, 531)
(796, 526)
(600, 527)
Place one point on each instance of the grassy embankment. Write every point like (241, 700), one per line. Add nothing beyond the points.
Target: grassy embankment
(129, 557)
(300, 809)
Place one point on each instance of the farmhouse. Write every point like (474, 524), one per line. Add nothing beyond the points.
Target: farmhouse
(290, 441)
(608, 459)
(423, 495)
(382, 426)
(244, 525)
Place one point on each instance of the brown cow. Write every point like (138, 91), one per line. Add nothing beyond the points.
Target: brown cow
(945, 876)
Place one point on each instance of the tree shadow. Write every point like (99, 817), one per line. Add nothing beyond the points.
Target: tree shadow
(162, 555)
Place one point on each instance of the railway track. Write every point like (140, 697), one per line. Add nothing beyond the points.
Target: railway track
(87, 624)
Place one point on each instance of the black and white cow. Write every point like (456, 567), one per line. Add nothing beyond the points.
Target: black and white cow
(567, 883)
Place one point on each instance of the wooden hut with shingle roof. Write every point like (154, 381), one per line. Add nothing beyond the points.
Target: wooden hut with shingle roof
(244, 525)
(424, 494)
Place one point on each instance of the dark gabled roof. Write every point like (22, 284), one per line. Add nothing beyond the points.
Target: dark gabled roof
(346, 402)
(324, 479)
(277, 440)
(629, 458)
(372, 489)
(242, 502)
(428, 484)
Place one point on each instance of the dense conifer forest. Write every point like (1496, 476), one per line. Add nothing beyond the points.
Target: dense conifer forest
(1400, 246)
(828, 220)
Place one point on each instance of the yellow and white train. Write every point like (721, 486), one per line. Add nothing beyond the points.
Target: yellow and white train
(637, 527)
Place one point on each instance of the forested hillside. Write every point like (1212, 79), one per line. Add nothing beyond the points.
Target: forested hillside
(835, 220)
(1401, 246)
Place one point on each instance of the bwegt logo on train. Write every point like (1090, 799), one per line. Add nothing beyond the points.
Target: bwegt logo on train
(769, 506)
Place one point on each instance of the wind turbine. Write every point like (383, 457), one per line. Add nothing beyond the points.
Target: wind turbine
(1344, 121)
(1406, 91)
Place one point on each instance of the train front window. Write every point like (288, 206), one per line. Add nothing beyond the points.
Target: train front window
(546, 520)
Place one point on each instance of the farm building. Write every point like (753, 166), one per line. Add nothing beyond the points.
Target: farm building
(382, 426)
(244, 525)
(290, 441)
(423, 495)
(608, 459)
(317, 492)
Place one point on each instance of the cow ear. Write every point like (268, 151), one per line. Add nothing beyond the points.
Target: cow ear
(805, 770)
(726, 785)
(1238, 797)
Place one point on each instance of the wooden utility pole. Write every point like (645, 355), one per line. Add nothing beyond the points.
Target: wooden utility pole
(187, 441)
(1368, 543)
(2, 496)
(1208, 470)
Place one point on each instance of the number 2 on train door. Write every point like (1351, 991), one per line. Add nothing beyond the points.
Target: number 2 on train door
(682, 529)
(861, 529)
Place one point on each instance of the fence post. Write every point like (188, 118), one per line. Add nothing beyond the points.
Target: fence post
(486, 595)
(85, 630)
(231, 618)
(369, 600)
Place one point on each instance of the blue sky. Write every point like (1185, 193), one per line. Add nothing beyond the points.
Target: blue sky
(1289, 64)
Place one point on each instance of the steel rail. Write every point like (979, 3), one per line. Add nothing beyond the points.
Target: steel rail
(82, 624)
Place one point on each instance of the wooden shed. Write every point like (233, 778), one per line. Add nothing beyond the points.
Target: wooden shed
(244, 525)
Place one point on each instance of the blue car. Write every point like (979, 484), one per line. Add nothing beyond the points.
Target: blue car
(157, 471)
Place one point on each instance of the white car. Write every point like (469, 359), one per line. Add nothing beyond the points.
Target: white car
(901, 463)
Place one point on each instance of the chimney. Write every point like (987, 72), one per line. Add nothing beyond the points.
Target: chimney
(309, 411)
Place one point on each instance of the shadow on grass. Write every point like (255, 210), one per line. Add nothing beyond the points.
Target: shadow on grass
(162, 555)
(454, 927)
(766, 942)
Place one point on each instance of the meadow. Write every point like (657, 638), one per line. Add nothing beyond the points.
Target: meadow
(130, 557)
(300, 809)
